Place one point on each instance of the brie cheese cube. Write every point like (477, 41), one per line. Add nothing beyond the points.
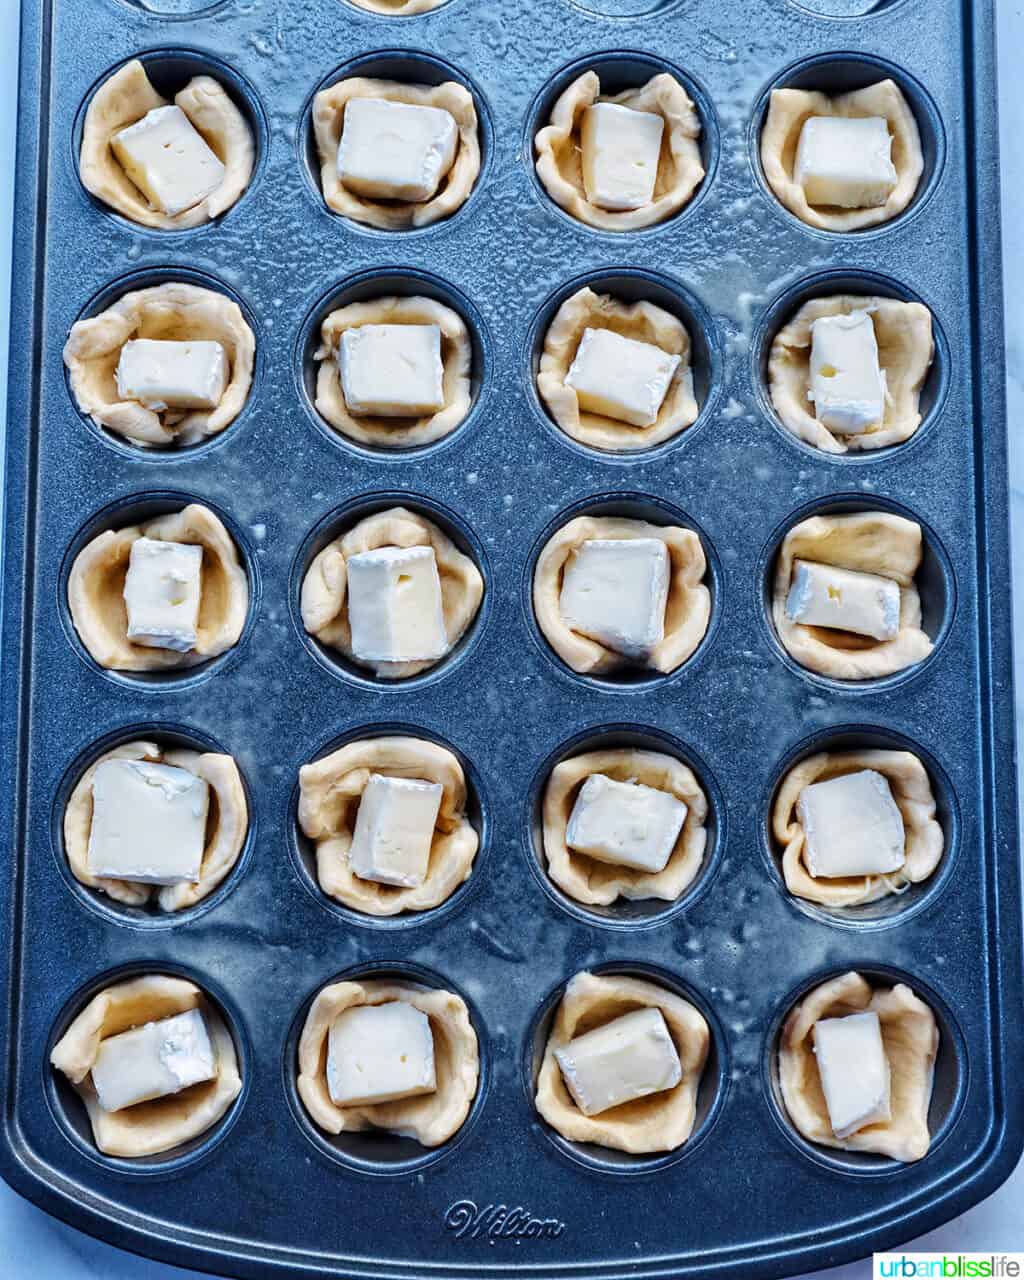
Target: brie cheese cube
(615, 591)
(161, 592)
(620, 377)
(168, 160)
(621, 148)
(394, 605)
(625, 823)
(394, 150)
(172, 375)
(854, 1071)
(392, 370)
(380, 1053)
(852, 826)
(153, 1061)
(847, 385)
(823, 595)
(148, 822)
(626, 1059)
(394, 830)
(845, 163)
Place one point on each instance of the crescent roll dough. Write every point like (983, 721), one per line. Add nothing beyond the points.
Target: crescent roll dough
(868, 542)
(910, 1037)
(123, 100)
(680, 169)
(172, 312)
(227, 825)
(329, 794)
(787, 113)
(163, 1123)
(96, 592)
(324, 614)
(903, 331)
(912, 792)
(686, 614)
(593, 882)
(661, 1121)
(397, 215)
(430, 1118)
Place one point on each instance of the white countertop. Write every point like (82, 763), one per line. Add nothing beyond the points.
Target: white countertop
(37, 1247)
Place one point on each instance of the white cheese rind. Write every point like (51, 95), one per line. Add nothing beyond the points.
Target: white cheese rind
(615, 591)
(394, 605)
(148, 822)
(823, 595)
(153, 1061)
(168, 159)
(846, 163)
(621, 148)
(621, 378)
(162, 591)
(395, 150)
(852, 826)
(625, 823)
(172, 375)
(854, 1071)
(628, 1058)
(847, 383)
(380, 1053)
(392, 370)
(394, 830)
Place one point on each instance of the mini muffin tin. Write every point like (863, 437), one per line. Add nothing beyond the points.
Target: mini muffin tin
(264, 1193)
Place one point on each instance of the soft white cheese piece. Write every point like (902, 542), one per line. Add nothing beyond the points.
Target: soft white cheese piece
(852, 826)
(847, 384)
(168, 160)
(628, 1058)
(148, 822)
(394, 605)
(620, 155)
(394, 150)
(380, 1053)
(392, 370)
(846, 163)
(823, 595)
(626, 823)
(854, 1071)
(620, 377)
(394, 830)
(153, 1061)
(161, 591)
(172, 375)
(614, 590)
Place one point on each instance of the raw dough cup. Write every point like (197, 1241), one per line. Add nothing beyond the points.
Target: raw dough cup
(430, 1118)
(787, 112)
(903, 331)
(642, 321)
(680, 169)
(396, 433)
(96, 592)
(173, 312)
(329, 794)
(596, 883)
(163, 1123)
(911, 1039)
(398, 8)
(397, 215)
(912, 791)
(123, 100)
(661, 1121)
(869, 542)
(227, 825)
(686, 614)
(324, 613)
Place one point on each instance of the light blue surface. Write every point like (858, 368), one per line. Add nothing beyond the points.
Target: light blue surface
(39, 1247)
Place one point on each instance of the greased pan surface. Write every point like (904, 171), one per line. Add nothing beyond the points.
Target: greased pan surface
(264, 1193)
